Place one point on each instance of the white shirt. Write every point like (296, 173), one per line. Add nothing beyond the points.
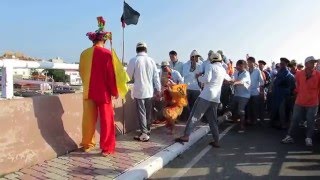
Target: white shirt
(242, 90)
(190, 77)
(256, 81)
(143, 70)
(213, 78)
(204, 64)
(175, 77)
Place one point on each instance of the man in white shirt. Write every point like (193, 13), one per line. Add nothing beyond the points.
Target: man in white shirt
(209, 99)
(256, 90)
(190, 70)
(175, 64)
(143, 71)
(242, 82)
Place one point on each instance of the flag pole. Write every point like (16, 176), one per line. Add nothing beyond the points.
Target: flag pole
(122, 45)
(123, 40)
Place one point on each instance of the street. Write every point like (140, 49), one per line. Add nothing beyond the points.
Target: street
(255, 154)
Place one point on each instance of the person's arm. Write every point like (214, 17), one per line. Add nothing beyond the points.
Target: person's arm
(180, 78)
(81, 66)
(111, 77)
(261, 81)
(245, 81)
(155, 78)
(207, 75)
(130, 68)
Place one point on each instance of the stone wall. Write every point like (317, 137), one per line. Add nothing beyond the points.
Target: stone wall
(36, 129)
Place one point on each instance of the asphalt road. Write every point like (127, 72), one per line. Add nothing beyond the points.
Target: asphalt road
(256, 154)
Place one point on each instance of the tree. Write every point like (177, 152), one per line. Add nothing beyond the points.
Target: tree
(57, 74)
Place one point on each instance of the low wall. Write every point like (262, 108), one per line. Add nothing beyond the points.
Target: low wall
(36, 129)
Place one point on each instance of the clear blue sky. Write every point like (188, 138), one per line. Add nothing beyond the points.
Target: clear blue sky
(266, 29)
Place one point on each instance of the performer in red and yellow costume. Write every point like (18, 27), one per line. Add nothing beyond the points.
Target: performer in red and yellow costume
(174, 96)
(99, 85)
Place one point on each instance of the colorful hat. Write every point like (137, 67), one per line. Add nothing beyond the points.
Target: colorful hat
(100, 34)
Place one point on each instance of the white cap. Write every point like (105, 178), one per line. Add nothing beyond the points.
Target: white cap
(194, 53)
(141, 44)
(165, 63)
(310, 58)
(215, 57)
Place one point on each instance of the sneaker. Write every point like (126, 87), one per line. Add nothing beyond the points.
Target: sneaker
(287, 140)
(143, 137)
(308, 142)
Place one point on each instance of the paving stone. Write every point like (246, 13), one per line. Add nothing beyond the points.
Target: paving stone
(60, 161)
(57, 165)
(27, 177)
(103, 163)
(34, 173)
(11, 176)
(19, 173)
(56, 171)
(107, 172)
(79, 164)
(103, 178)
(39, 168)
(55, 176)
(80, 159)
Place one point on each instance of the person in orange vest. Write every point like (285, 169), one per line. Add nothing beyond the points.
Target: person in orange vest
(99, 85)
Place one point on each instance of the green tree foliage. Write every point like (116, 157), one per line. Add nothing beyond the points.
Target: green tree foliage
(57, 74)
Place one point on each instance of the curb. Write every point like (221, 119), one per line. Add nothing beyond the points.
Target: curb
(146, 168)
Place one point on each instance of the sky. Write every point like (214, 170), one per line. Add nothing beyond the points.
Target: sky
(265, 29)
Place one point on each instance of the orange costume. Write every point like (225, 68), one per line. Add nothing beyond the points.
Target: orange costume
(175, 97)
(99, 84)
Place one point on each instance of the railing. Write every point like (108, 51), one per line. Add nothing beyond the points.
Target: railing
(8, 65)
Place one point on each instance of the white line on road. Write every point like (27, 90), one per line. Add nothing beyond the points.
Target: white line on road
(260, 153)
(188, 166)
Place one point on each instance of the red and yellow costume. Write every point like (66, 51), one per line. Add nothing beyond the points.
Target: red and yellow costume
(175, 97)
(99, 85)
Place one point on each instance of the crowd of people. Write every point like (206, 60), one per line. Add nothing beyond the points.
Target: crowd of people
(246, 93)
(286, 92)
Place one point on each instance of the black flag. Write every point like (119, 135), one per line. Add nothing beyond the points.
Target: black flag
(129, 16)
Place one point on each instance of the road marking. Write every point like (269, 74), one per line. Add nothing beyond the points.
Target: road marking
(260, 153)
(196, 159)
(300, 152)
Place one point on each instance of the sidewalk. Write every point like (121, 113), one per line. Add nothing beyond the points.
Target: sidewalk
(80, 165)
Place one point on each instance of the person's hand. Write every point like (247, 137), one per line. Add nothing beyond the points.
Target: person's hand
(198, 75)
(157, 95)
(116, 97)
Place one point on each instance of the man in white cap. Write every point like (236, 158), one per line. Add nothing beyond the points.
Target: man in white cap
(190, 70)
(206, 62)
(209, 99)
(143, 72)
(307, 101)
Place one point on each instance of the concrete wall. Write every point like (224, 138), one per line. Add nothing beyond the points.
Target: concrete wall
(36, 129)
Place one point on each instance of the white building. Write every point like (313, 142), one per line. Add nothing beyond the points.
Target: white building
(56, 60)
(23, 73)
(74, 77)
